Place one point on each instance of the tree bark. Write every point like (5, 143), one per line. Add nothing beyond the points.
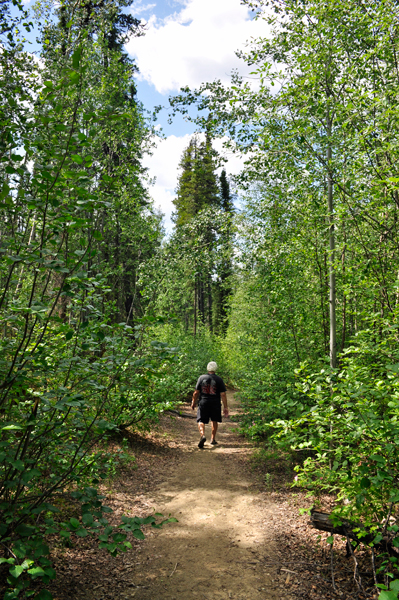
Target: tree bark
(195, 306)
(331, 257)
(210, 316)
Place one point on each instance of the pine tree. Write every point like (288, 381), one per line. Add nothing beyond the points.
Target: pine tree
(185, 201)
(198, 186)
(226, 197)
(222, 286)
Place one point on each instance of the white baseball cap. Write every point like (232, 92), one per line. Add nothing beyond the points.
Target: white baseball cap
(212, 366)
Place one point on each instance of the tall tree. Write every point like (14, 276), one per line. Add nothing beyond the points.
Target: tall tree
(197, 187)
(199, 192)
(224, 269)
(196, 191)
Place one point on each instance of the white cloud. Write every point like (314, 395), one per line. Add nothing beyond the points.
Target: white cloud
(164, 166)
(139, 8)
(194, 45)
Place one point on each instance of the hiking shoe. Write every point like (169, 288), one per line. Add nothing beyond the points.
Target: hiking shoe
(202, 442)
(213, 442)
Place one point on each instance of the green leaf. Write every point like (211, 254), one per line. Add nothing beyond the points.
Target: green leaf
(82, 532)
(330, 539)
(74, 523)
(76, 58)
(87, 519)
(138, 534)
(17, 571)
(65, 534)
(25, 530)
(388, 595)
(44, 595)
(36, 572)
(50, 572)
(378, 458)
(76, 158)
(148, 520)
(74, 77)
(365, 483)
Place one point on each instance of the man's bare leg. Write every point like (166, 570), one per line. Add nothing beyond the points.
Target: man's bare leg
(214, 430)
(201, 427)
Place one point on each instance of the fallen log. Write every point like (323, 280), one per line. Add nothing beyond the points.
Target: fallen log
(322, 521)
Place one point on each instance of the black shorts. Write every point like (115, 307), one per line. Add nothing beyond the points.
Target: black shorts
(209, 410)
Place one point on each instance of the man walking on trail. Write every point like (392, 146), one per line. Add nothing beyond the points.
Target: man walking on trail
(211, 389)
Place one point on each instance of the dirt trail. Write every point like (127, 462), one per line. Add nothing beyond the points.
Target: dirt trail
(218, 548)
(239, 535)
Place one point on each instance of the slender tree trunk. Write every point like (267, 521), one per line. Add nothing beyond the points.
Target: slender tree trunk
(344, 300)
(202, 299)
(322, 298)
(195, 306)
(331, 257)
(331, 266)
(210, 324)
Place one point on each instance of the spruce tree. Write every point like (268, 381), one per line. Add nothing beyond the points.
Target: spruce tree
(226, 197)
(198, 186)
(199, 191)
(222, 286)
(185, 202)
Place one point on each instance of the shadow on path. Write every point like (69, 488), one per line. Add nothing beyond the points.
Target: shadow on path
(217, 548)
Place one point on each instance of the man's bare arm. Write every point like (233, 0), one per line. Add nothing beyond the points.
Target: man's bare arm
(195, 396)
(223, 396)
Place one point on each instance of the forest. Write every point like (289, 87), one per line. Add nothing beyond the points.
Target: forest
(287, 274)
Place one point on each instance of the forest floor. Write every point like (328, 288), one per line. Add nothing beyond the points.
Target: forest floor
(239, 533)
